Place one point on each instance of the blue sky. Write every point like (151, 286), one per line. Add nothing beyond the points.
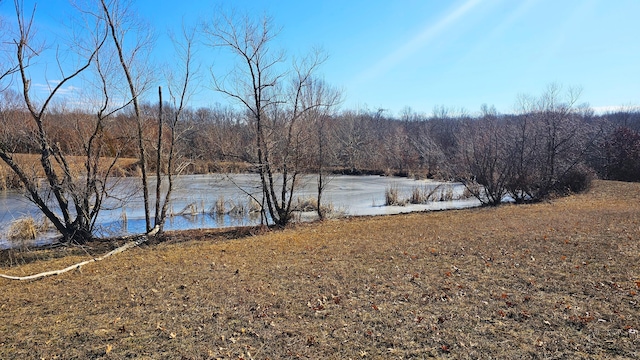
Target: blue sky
(422, 54)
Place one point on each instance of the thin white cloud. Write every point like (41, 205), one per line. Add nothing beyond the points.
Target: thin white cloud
(520, 10)
(66, 90)
(419, 41)
(45, 89)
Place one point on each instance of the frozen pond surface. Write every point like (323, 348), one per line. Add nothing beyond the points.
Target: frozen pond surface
(195, 197)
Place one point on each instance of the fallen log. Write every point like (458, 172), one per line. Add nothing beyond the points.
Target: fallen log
(141, 239)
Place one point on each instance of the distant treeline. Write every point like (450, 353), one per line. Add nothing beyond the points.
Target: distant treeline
(548, 139)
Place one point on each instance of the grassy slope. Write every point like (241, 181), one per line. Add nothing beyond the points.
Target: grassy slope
(550, 280)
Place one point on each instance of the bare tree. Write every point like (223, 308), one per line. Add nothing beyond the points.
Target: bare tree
(524, 152)
(131, 41)
(353, 133)
(179, 91)
(553, 138)
(71, 206)
(321, 100)
(275, 107)
(420, 138)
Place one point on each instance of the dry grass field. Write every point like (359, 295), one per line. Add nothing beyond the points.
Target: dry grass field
(556, 280)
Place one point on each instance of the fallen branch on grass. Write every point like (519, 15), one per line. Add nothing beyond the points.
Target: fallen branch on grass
(140, 240)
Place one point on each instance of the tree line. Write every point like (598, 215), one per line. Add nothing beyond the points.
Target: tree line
(282, 120)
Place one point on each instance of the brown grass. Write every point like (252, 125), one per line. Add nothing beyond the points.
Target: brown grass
(550, 280)
(31, 162)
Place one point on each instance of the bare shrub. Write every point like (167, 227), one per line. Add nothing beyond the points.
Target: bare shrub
(263, 89)
(576, 180)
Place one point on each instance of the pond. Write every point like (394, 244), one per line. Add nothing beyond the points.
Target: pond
(213, 201)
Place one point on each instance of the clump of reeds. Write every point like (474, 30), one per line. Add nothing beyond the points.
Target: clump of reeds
(21, 231)
(416, 196)
(223, 207)
(219, 207)
(392, 196)
(446, 194)
(423, 195)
